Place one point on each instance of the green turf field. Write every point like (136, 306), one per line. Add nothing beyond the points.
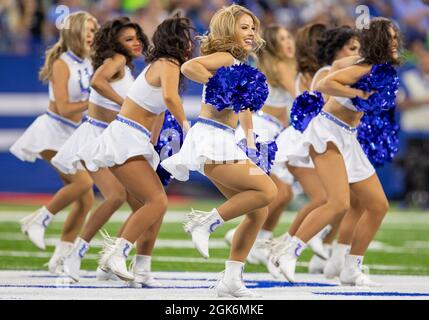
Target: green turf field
(400, 247)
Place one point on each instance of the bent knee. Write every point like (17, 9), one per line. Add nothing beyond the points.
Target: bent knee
(116, 197)
(339, 206)
(86, 201)
(160, 200)
(269, 192)
(380, 207)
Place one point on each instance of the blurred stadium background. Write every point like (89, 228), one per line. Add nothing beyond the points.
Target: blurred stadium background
(27, 27)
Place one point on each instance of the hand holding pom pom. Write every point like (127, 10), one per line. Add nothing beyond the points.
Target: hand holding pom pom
(305, 107)
(384, 81)
(238, 86)
(264, 154)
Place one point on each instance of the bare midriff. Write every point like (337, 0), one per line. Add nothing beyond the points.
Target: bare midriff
(133, 111)
(226, 116)
(352, 118)
(75, 117)
(102, 114)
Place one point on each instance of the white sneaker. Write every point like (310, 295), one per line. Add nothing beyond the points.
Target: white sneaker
(105, 276)
(355, 277)
(62, 250)
(316, 265)
(114, 258)
(34, 226)
(200, 225)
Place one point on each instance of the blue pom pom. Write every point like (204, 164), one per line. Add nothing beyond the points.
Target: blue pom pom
(382, 79)
(239, 86)
(169, 142)
(305, 107)
(264, 154)
(378, 136)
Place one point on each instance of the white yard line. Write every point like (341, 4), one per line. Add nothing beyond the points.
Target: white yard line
(92, 256)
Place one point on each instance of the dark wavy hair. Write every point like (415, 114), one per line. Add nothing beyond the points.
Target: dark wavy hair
(172, 40)
(376, 42)
(334, 40)
(106, 43)
(306, 40)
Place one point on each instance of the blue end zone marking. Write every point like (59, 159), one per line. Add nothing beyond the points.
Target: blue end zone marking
(383, 294)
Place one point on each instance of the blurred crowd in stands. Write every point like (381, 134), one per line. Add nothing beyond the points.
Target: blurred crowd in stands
(27, 27)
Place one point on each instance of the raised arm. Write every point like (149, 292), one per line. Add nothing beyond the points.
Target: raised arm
(100, 80)
(59, 79)
(338, 82)
(201, 69)
(170, 75)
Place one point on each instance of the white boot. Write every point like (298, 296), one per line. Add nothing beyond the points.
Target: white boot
(200, 225)
(35, 224)
(114, 258)
(287, 260)
(62, 250)
(352, 274)
(229, 235)
(316, 243)
(71, 264)
(317, 264)
(232, 283)
(259, 254)
(141, 268)
(336, 262)
(105, 275)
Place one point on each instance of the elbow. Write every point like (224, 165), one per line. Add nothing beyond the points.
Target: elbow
(61, 109)
(186, 68)
(95, 84)
(169, 99)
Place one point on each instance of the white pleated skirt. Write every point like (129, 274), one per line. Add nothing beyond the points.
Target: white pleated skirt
(326, 128)
(121, 140)
(67, 160)
(266, 126)
(48, 132)
(207, 141)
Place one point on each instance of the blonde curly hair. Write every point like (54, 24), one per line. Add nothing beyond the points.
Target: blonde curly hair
(222, 37)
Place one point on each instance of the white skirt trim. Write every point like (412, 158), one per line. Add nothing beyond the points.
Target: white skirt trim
(48, 132)
(121, 140)
(207, 141)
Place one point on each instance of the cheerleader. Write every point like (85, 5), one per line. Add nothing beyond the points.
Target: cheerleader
(341, 165)
(116, 45)
(210, 149)
(68, 70)
(307, 39)
(125, 145)
(277, 61)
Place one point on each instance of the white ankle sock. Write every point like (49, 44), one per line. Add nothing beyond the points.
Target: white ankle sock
(143, 263)
(45, 217)
(353, 261)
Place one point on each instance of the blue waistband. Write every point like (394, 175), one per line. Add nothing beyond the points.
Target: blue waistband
(97, 123)
(270, 118)
(216, 124)
(133, 124)
(65, 121)
(338, 122)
